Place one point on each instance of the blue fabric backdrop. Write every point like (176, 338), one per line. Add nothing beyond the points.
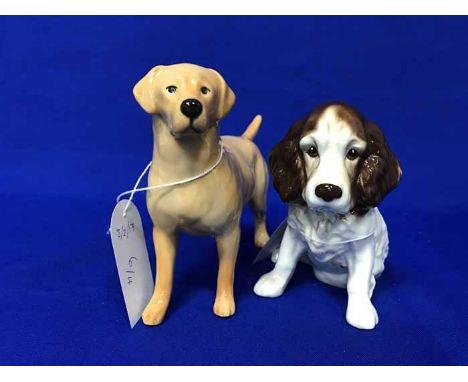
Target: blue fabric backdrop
(72, 137)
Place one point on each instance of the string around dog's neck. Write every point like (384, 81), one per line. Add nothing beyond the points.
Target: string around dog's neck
(175, 183)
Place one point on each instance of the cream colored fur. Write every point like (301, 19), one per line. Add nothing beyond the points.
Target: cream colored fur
(211, 205)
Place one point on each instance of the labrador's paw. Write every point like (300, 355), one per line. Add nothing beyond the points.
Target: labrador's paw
(270, 285)
(224, 306)
(261, 237)
(154, 312)
(361, 313)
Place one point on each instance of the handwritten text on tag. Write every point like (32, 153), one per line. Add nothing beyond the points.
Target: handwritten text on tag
(131, 256)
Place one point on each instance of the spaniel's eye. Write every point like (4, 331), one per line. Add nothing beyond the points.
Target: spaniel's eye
(205, 90)
(171, 89)
(312, 152)
(352, 154)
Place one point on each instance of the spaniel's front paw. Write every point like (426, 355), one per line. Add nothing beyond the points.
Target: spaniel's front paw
(361, 313)
(270, 285)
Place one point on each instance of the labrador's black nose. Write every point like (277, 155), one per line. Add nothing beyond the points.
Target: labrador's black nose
(328, 192)
(192, 108)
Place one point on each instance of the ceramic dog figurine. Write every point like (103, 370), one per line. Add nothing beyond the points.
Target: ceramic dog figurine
(333, 168)
(186, 102)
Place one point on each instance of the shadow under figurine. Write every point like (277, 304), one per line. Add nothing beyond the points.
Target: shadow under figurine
(333, 168)
(186, 102)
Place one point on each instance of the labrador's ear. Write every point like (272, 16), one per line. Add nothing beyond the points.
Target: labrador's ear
(144, 91)
(287, 165)
(379, 171)
(226, 97)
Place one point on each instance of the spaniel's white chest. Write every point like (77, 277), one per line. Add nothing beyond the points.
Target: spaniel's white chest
(324, 252)
(330, 238)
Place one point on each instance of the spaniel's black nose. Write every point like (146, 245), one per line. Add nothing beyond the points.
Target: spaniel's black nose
(328, 192)
(192, 108)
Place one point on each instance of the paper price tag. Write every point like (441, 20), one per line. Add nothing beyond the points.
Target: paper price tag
(131, 257)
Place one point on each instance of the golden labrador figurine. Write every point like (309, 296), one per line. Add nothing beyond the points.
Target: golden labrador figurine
(186, 102)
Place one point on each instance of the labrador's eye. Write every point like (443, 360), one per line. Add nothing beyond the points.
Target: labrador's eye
(352, 154)
(205, 90)
(171, 89)
(312, 152)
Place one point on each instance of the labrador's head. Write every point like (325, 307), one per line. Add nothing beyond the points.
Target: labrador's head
(189, 98)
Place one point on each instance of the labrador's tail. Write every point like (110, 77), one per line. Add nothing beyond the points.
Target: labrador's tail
(252, 129)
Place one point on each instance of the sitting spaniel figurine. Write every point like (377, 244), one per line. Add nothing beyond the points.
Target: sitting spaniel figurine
(333, 168)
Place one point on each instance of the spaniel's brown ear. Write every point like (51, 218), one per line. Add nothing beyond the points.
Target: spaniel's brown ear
(379, 171)
(287, 165)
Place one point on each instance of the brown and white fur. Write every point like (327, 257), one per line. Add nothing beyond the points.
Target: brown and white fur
(333, 168)
(186, 102)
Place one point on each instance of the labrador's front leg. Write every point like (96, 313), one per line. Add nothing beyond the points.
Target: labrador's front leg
(273, 284)
(360, 312)
(165, 244)
(228, 246)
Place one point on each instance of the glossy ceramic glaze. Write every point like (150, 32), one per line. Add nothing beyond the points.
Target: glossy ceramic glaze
(186, 102)
(333, 168)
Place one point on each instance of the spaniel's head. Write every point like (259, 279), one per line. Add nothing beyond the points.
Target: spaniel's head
(334, 160)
